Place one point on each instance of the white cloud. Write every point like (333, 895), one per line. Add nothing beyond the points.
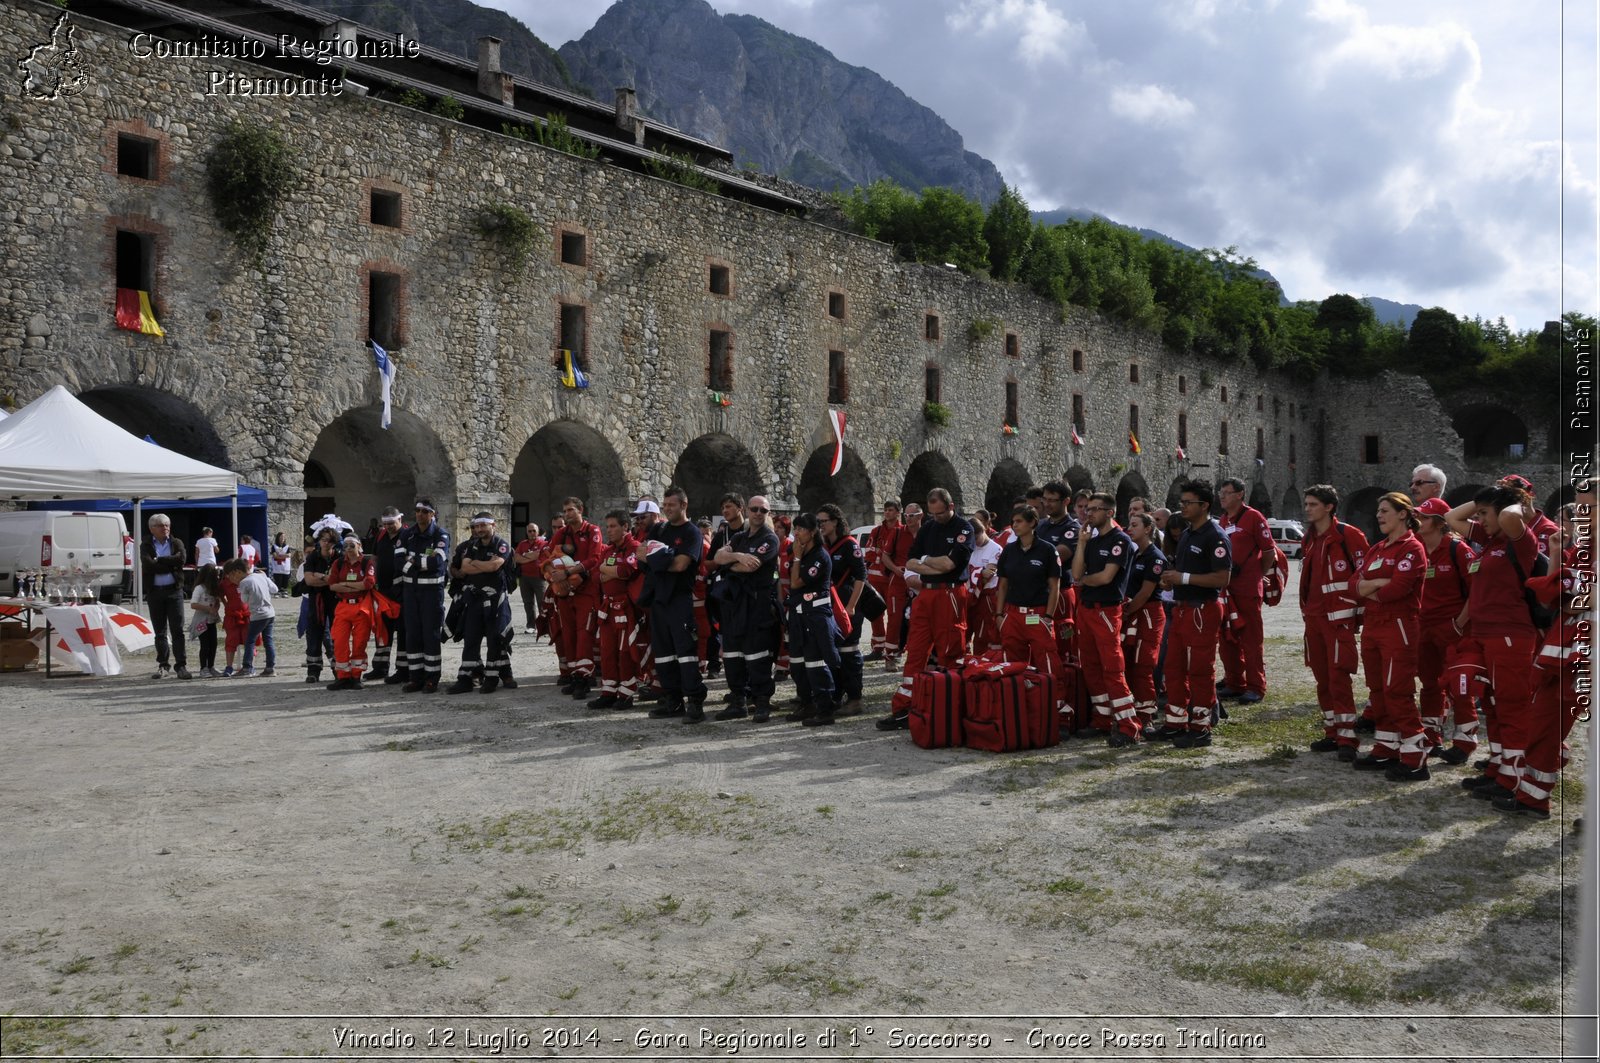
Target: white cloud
(1041, 31)
(1150, 104)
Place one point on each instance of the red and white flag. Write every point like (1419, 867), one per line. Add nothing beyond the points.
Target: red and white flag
(1077, 440)
(836, 422)
(133, 632)
(1181, 455)
(82, 632)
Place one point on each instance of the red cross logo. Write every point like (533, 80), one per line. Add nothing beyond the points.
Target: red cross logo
(92, 636)
(133, 620)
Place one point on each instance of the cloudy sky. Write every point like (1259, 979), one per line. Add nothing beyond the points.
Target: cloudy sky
(1430, 151)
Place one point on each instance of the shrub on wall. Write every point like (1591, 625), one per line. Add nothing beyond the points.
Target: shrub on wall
(248, 173)
(512, 228)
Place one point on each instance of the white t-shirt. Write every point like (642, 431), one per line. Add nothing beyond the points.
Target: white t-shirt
(280, 559)
(205, 551)
(249, 552)
(988, 554)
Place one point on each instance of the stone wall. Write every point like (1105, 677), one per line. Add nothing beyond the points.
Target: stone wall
(273, 359)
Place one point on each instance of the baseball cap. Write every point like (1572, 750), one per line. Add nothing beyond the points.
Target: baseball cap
(645, 506)
(1516, 481)
(1433, 507)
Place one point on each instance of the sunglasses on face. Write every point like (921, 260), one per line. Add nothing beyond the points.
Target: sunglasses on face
(759, 509)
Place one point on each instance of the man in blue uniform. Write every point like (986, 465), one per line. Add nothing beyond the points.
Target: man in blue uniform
(481, 566)
(747, 597)
(1200, 568)
(670, 570)
(425, 547)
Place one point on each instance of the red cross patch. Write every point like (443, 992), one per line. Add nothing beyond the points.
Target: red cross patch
(1221, 551)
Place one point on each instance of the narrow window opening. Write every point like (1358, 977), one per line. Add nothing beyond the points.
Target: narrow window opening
(1369, 450)
(383, 309)
(1013, 346)
(1222, 443)
(838, 381)
(932, 384)
(719, 364)
(1077, 361)
(1077, 414)
(930, 327)
(136, 157)
(136, 261)
(836, 304)
(721, 280)
(1183, 384)
(1133, 372)
(1183, 430)
(574, 335)
(1261, 443)
(1012, 402)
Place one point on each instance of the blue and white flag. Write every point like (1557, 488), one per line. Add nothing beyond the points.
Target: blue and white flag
(386, 372)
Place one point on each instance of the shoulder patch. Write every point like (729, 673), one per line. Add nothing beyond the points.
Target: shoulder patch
(1221, 551)
(762, 548)
(1116, 551)
(961, 538)
(1339, 566)
(1405, 565)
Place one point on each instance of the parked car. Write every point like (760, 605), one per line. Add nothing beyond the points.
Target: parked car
(1288, 534)
(39, 539)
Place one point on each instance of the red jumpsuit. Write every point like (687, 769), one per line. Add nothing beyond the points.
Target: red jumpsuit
(702, 619)
(1332, 614)
(618, 621)
(1390, 638)
(1243, 640)
(1559, 669)
(1444, 592)
(891, 541)
(785, 559)
(1497, 618)
(579, 611)
(352, 617)
(939, 611)
(1141, 631)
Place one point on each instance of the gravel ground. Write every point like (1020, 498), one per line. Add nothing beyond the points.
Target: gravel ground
(511, 875)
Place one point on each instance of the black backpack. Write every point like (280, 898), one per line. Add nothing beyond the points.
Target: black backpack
(1541, 616)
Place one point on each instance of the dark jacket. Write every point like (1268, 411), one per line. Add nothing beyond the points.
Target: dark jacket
(173, 564)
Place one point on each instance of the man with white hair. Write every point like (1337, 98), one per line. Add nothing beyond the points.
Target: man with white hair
(1427, 481)
(163, 559)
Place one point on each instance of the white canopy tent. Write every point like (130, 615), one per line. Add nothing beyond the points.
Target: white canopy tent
(56, 448)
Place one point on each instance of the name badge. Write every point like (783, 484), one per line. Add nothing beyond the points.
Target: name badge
(1472, 569)
(1377, 563)
(1427, 573)
(1033, 618)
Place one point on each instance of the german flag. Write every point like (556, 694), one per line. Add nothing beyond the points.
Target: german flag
(134, 312)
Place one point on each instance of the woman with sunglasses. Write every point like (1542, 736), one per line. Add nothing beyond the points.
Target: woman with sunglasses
(849, 576)
(813, 636)
(1391, 584)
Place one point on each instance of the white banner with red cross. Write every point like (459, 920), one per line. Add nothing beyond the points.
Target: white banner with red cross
(92, 635)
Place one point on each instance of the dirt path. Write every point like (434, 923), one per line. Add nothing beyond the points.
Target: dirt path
(264, 847)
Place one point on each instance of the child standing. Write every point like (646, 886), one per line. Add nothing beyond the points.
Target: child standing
(205, 610)
(255, 591)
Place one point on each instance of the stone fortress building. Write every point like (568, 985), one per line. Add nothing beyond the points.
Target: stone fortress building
(716, 329)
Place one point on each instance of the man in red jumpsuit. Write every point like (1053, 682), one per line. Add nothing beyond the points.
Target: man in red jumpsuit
(581, 543)
(1244, 673)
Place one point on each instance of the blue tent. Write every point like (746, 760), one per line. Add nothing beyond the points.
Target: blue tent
(189, 515)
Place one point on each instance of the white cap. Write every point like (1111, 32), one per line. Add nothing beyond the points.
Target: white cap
(645, 506)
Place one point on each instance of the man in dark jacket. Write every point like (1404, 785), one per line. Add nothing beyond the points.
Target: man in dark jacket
(163, 558)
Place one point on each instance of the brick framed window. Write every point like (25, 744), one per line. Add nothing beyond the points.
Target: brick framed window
(384, 295)
(134, 151)
(384, 204)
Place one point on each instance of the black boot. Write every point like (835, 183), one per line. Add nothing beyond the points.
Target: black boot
(462, 685)
(397, 677)
(761, 711)
(823, 716)
(694, 710)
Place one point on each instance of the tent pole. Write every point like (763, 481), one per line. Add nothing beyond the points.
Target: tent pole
(138, 554)
(235, 502)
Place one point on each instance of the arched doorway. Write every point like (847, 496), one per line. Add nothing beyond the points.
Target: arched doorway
(1463, 493)
(1294, 506)
(172, 422)
(363, 469)
(1490, 431)
(712, 466)
(851, 490)
(1080, 479)
(930, 469)
(1175, 493)
(1361, 509)
(1261, 499)
(1130, 487)
(561, 460)
(1009, 482)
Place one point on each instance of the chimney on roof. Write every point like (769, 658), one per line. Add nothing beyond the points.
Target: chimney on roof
(492, 81)
(343, 31)
(628, 118)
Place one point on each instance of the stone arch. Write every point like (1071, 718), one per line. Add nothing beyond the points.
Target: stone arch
(930, 469)
(173, 422)
(1361, 509)
(1131, 486)
(562, 459)
(1261, 498)
(369, 469)
(714, 465)
(1293, 503)
(1462, 493)
(1009, 480)
(851, 490)
(1175, 492)
(1079, 479)
(1490, 431)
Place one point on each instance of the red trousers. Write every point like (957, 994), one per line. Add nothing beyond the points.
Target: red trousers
(983, 627)
(1243, 666)
(577, 614)
(552, 613)
(1330, 649)
(1141, 647)
(1389, 660)
(1191, 670)
(618, 668)
(938, 628)
(1034, 642)
(643, 654)
(1556, 707)
(1100, 648)
(886, 628)
(1513, 724)
(1439, 650)
(352, 624)
(1066, 624)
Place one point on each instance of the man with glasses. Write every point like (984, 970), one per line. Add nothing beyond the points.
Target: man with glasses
(1100, 570)
(1244, 673)
(939, 612)
(1201, 567)
(1427, 481)
(748, 565)
(387, 558)
(163, 559)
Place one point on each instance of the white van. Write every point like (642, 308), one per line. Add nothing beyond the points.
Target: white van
(49, 538)
(1288, 535)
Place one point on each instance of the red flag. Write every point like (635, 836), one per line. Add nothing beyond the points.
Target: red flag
(1077, 440)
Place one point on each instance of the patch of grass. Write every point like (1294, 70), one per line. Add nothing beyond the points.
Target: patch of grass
(667, 904)
(825, 810)
(812, 978)
(400, 746)
(918, 854)
(880, 897)
(626, 818)
(568, 994)
(1066, 885)
(124, 951)
(1569, 789)
(943, 889)
(431, 959)
(77, 965)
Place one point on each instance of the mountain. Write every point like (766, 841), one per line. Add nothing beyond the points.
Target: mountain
(455, 26)
(777, 101)
(1391, 313)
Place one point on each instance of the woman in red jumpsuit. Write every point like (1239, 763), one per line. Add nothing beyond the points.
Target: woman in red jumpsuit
(1391, 584)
